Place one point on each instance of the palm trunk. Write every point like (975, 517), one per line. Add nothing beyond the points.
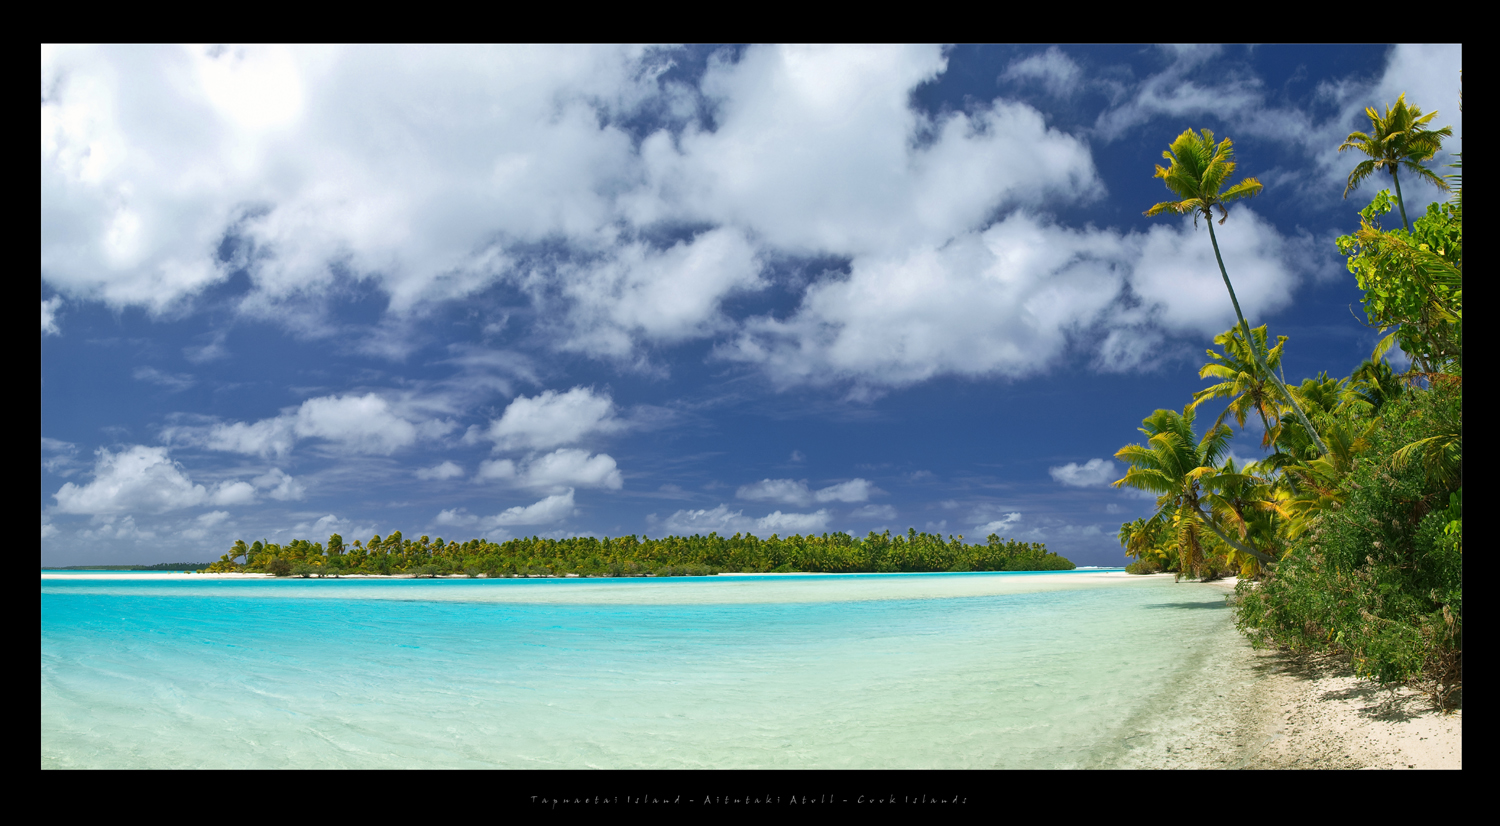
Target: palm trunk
(1400, 202)
(1233, 543)
(1250, 342)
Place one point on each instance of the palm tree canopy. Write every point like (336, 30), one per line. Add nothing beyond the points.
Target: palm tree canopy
(1397, 139)
(1197, 174)
(1240, 380)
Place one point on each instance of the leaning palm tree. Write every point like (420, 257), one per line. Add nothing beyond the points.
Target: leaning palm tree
(1182, 470)
(1400, 139)
(1197, 173)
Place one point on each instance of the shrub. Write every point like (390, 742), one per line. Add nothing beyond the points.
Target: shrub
(279, 567)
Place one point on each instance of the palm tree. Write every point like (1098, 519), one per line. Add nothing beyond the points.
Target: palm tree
(1182, 470)
(1198, 170)
(1400, 139)
(1241, 382)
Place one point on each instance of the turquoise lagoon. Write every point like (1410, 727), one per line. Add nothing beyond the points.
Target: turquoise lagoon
(985, 670)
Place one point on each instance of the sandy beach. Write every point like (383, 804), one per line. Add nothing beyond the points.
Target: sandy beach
(1264, 710)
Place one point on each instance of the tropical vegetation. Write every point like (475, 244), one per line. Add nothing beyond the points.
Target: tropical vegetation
(695, 555)
(1347, 534)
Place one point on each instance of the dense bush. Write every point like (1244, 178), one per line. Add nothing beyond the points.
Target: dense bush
(1379, 580)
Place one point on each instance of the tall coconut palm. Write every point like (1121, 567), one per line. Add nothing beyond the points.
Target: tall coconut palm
(1400, 139)
(1182, 470)
(1197, 173)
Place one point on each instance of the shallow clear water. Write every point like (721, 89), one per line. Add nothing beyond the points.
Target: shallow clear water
(862, 671)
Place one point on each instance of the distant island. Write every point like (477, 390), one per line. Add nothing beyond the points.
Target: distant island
(160, 566)
(627, 556)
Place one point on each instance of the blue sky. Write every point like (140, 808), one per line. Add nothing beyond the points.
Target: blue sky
(513, 291)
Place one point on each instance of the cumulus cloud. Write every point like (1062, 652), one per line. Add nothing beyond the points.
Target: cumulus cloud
(280, 486)
(1092, 473)
(792, 492)
(642, 294)
(1008, 302)
(445, 470)
(143, 479)
(554, 508)
(354, 424)
(562, 468)
(551, 419)
(726, 522)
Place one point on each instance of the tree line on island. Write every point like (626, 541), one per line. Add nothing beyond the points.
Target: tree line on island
(626, 556)
(1348, 533)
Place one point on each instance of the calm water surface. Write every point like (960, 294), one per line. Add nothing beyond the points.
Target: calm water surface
(861, 671)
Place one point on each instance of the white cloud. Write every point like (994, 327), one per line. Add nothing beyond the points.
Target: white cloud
(998, 525)
(1057, 72)
(1178, 276)
(726, 522)
(562, 468)
(776, 490)
(568, 467)
(267, 437)
(363, 424)
(212, 518)
(172, 381)
(354, 424)
(278, 485)
(233, 493)
(496, 469)
(551, 419)
(874, 512)
(659, 296)
(854, 490)
(1089, 474)
(143, 479)
(554, 508)
(1000, 302)
(49, 315)
(792, 492)
(445, 470)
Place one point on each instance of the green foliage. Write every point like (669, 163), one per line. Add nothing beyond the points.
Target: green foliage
(279, 567)
(668, 556)
(1413, 282)
(1380, 579)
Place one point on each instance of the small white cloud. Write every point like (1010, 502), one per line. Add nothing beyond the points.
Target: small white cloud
(874, 512)
(726, 522)
(793, 492)
(172, 381)
(554, 508)
(998, 525)
(495, 469)
(278, 485)
(233, 493)
(854, 490)
(49, 316)
(798, 456)
(551, 419)
(212, 518)
(457, 517)
(570, 467)
(1057, 72)
(787, 491)
(446, 470)
(1091, 473)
